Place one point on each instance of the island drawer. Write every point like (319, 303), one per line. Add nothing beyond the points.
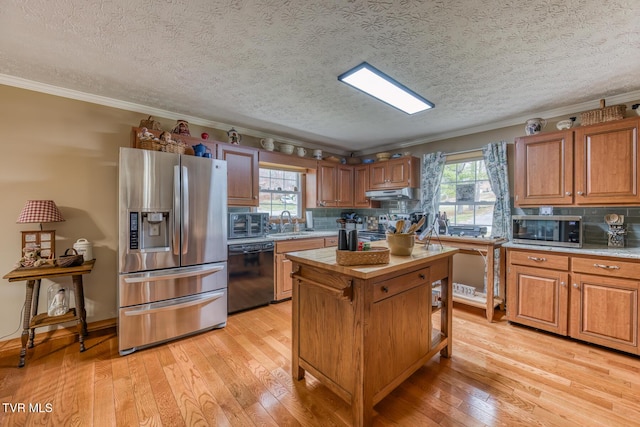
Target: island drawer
(539, 259)
(387, 288)
(606, 267)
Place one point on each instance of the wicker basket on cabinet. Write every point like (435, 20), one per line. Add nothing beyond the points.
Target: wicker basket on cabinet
(602, 114)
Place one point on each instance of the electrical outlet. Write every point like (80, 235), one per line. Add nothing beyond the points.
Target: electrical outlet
(546, 210)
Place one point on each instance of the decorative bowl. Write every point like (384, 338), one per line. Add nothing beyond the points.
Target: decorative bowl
(383, 156)
(286, 148)
(367, 161)
(332, 159)
(564, 124)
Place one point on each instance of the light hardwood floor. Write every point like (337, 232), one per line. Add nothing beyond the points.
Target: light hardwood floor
(500, 374)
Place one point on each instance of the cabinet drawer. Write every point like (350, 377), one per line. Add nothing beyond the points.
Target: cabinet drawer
(330, 241)
(299, 245)
(606, 267)
(539, 259)
(387, 288)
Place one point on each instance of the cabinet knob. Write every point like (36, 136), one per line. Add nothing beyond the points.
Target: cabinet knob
(535, 258)
(568, 193)
(580, 193)
(385, 289)
(422, 276)
(575, 285)
(563, 284)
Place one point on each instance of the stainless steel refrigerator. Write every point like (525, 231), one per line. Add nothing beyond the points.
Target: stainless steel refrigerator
(172, 256)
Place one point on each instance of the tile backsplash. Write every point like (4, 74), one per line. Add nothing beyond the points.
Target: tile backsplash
(595, 228)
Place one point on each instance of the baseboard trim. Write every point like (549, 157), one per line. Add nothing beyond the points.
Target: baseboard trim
(16, 343)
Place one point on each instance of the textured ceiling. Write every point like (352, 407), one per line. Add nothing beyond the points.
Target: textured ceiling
(271, 66)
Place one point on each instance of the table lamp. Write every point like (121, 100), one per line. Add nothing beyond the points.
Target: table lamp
(40, 211)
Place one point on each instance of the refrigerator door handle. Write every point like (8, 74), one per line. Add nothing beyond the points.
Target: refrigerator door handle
(151, 277)
(176, 210)
(185, 209)
(164, 306)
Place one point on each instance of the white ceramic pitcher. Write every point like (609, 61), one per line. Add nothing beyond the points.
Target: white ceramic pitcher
(268, 144)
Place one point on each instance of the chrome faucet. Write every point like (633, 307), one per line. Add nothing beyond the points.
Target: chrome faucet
(282, 224)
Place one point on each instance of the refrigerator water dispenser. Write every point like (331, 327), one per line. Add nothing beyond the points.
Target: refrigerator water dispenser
(150, 231)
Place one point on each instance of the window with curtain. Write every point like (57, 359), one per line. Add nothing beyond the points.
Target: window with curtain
(280, 190)
(465, 192)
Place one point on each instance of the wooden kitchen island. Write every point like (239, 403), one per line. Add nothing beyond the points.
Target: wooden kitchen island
(363, 330)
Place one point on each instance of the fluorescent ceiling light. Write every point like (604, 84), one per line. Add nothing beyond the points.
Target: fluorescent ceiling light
(374, 82)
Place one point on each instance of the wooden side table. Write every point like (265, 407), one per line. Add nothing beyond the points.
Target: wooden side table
(32, 319)
(481, 246)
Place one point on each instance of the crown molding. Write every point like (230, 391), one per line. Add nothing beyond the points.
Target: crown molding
(570, 110)
(128, 106)
(8, 80)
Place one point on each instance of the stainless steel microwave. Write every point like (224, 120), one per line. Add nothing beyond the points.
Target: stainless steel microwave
(548, 230)
(247, 224)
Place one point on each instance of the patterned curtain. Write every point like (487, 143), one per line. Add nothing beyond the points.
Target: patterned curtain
(432, 169)
(495, 159)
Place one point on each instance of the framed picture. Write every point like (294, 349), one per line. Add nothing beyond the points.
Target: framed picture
(465, 193)
(45, 240)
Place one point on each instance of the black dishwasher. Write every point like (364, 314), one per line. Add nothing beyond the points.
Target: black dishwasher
(250, 267)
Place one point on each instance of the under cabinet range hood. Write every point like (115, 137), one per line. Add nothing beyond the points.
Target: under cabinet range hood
(396, 194)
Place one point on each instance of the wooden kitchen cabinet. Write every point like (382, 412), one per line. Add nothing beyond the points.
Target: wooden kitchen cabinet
(395, 173)
(537, 290)
(592, 165)
(361, 185)
(606, 158)
(589, 298)
(242, 174)
(544, 169)
(334, 185)
(604, 302)
(282, 270)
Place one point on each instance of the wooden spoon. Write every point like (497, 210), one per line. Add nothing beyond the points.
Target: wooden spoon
(413, 228)
(399, 226)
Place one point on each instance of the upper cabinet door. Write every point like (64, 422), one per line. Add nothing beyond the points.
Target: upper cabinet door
(327, 186)
(544, 169)
(606, 158)
(345, 186)
(395, 173)
(242, 174)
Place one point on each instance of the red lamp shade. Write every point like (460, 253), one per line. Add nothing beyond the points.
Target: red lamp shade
(40, 211)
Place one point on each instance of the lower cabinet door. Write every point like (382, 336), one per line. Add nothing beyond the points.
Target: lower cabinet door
(400, 333)
(604, 311)
(284, 283)
(538, 297)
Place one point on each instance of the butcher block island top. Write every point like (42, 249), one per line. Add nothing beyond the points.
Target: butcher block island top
(326, 258)
(363, 330)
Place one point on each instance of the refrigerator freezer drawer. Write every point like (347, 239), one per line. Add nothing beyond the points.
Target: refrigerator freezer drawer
(147, 324)
(152, 286)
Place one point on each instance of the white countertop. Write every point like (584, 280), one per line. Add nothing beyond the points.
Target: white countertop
(587, 249)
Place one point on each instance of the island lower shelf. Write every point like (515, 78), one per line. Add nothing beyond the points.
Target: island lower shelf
(363, 330)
